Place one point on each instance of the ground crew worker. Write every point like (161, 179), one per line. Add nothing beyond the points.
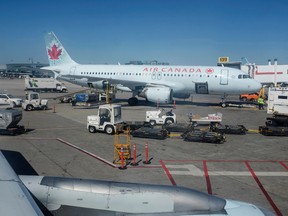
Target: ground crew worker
(260, 103)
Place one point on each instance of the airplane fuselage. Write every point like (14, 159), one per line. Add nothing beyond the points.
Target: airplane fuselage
(182, 79)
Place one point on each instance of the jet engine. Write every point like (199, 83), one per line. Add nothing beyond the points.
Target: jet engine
(157, 94)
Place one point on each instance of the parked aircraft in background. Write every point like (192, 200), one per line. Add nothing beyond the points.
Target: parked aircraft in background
(70, 196)
(156, 83)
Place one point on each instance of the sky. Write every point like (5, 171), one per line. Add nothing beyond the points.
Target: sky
(181, 32)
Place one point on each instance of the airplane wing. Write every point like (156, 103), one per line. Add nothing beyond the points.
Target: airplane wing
(15, 199)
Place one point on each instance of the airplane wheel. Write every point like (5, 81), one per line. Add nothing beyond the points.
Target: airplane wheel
(132, 101)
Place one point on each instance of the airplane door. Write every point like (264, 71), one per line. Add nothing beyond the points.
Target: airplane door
(156, 75)
(224, 77)
(201, 88)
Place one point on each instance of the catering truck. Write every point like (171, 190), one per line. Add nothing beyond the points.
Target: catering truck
(277, 106)
(44, 84)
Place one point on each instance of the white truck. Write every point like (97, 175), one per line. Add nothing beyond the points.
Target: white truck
(10, 100)
(277, 102)
(44, 84)
(107, 120)
(34, 102)
(160, 116)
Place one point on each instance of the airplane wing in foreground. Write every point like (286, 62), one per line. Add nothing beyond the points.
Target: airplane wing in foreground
(15, 199)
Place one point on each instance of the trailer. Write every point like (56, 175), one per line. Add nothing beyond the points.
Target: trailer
(9, 119)
(204, 136)
(211, 118)
(44, 84)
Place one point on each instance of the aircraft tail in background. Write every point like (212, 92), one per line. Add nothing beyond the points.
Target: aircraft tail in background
(57, 55)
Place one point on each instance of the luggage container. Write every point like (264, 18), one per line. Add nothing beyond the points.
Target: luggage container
(148, 132)
(9, 119)
(203, 136)
(228, 129)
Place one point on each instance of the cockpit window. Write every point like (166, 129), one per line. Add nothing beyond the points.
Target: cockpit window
(240, 76)
(246, 76)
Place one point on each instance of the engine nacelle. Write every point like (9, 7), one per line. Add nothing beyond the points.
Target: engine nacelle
(157, 94)
(181, 95)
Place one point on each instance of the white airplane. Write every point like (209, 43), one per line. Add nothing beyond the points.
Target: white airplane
(156, 83)
(29, 195)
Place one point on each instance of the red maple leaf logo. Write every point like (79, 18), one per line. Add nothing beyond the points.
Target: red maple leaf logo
(54, 52)
(209, 70)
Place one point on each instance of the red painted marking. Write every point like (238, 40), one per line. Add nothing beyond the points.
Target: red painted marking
(263, 190)
(88, 153)
(267, 73)
(284, 165)
(229, 161)
(168, 173)
(208, 182)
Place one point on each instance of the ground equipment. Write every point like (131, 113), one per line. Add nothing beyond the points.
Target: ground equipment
(277, 105)
(9, 119)
(108, 119)
(204, 136)
(160, 116)
(34, 102)
(228, 129)
(150, 132)
(44, 84)
(10, 100)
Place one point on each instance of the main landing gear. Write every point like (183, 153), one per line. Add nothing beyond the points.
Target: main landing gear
(133, 101)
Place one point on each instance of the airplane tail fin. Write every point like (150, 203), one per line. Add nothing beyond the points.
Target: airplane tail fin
(57, 55)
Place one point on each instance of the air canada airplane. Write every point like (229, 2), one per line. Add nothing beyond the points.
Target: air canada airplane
(25, 193)
(156, 83)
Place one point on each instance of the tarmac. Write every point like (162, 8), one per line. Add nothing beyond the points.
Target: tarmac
(251, 168)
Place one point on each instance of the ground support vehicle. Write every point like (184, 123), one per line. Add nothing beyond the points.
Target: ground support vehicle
(160, 116)
(238, 104)
(109, 120)
(277, 105)
(9, 119)
(211, 118)
(34, 102)
(149, 132)
(44, 84)
(204, 136)
(273, 130)
(249, 97)
(10, 100)
(178, 127)
(228, 129)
